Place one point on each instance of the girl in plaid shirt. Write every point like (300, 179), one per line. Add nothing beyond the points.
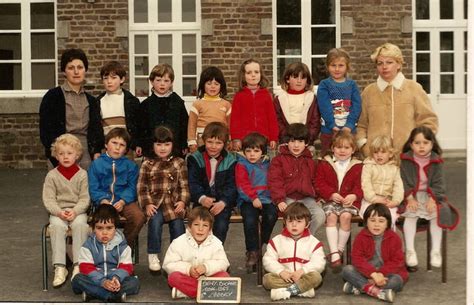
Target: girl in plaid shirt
(163, 192)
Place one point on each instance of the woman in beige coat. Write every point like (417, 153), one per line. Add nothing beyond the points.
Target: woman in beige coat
(393, 105)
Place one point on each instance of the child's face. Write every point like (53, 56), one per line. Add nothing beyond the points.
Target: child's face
(253, 155)
(296, 147)
(214, 147)
(252, 74)
(297, 83)
(66, 155)
(104, 231)
(116, 147)
(112, 82)
(200, 230)
(376, 224)
(343, 151)
(421, 146)
(212, 87)
(382, 156)
(163, 150)
(162, 84)
(338, 69)
(75, 72)
(296, 226)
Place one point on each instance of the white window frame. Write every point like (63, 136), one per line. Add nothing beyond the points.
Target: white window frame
(26, 60)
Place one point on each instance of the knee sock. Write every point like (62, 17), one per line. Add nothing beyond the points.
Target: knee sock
(332, 236)
(343, 238)
(294, 289)
(436, 235)
(409, 230)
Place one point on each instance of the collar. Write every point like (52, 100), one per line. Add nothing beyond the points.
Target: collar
(162, 95)
(118, 92)
(211, 98)
(291, 91)
(68, 88)
(68, 172)
(397, 82)
(287, 233)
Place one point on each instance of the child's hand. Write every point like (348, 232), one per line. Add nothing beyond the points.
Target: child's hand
(184, 151)
(412, 205)
(430, 206)
(349, 200)
(297, 275)
(380, 199)
(217, 208)
(138, 151)
(379, 279)
(207, 202)
(236, 145)
(336, 198)
(257, 203)
(179, 207)
(111, 285)
(116, 283)
(282, 206)
(391, 203)
(119, 205)
(192, 148)
(150, 210)
(273, 145)
(286, 276)
(201, 269)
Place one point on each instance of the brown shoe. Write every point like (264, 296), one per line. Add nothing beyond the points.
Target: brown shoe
(252, 259)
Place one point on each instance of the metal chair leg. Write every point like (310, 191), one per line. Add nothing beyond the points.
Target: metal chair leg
(444, 266)
(44, 252)
(428, 249)
(259, 261)
(349, 250)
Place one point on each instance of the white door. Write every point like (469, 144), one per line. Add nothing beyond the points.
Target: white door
(440, 64)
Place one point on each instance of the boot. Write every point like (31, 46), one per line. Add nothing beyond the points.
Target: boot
(252, 260)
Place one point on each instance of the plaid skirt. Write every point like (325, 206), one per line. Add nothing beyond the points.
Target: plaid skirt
(335, 208)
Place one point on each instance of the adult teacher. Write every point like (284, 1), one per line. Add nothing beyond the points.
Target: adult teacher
(393, 105)
(69, 109)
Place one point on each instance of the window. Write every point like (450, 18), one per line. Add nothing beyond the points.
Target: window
(27, 46)
(165, 31)
(304, 30)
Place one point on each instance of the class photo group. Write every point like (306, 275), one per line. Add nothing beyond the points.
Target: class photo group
(313, 158)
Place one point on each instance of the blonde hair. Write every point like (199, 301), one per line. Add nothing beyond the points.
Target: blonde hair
(381, 143)
(336, 53)
(295, 69)
(66, 139)
(388, 50)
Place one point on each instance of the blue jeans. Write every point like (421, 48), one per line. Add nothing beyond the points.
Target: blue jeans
(81, 282)
(250, 218)
(351, 275)
(155, 230)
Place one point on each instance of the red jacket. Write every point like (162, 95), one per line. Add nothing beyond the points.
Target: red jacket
(363, 249)
(327, 183)
(253, 113)
(290, 176)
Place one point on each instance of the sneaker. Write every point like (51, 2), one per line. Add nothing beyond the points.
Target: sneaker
(123, 297)
(75, 271)
(411, 258)
(435, 258)
(60, 274)
(85, 297)
(154, 262)
(177, 294)
(350, 289)
(280, 294)
(386, 295)
(307, 294)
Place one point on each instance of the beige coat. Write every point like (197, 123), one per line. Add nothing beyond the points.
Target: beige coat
(383, 180)
(393, 110)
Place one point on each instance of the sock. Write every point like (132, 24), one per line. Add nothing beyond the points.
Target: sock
(436, 234)
(371, 289)
(409, 230)
(343, 238)
(294, 289)
(332, 236)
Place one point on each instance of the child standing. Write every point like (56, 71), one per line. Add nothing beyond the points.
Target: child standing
(66, 197)
(292, 174)
(254, 197)
(118, 107)
(113, 180)
(163, 192)
(338, 98)
(378, 266)
(297, 103)
(381, 180)
(163, 108)
(338, 184)
(105, 261)
(210, 106)
(294, 258)
(252, 107)
(194, 254)
(212, 177)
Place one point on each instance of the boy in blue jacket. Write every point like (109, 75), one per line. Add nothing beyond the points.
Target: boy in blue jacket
(113, 180)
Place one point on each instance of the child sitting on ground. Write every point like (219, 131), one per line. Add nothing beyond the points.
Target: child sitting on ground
(66, 197)
(194, 254)
(105, 261)
(294, 258)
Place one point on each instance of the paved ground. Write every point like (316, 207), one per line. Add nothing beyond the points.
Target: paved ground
(23, 216)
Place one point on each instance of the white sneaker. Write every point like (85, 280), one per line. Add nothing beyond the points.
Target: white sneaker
(279, 294)
(386, 295)
(435, 258)
(350, 289)
(154, 262)
(60, 274)
(411, 258)
(75, 271)
(307, 294)
(177, 294)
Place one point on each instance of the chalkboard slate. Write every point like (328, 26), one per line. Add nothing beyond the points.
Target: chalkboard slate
(219, 290)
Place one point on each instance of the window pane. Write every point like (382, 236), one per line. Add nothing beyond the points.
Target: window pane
(189, 65)
(140, 11)
(319, 71)
(164, 10)
(165, 60)
(422, 9)
(423, 62)
(323, 12)
(141, 44)
(446, 41)
(446, 10)
(188, 10)
(189, 86)
(447, 84)
(422, 41)
(42, 46)
(43, 75)
(322, 40)
(282, 63)
(289, 41)
(42, 15)
(165, 44)
(288, 12)
(189, 43)
(11, 77)
(447, 62)
(11, 46)
(424, 81)
(141, 65)
(10, 17)
(141, 87)
(465, 41)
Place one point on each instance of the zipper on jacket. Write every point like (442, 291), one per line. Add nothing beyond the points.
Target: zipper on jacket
(105, 260)
(112, 185)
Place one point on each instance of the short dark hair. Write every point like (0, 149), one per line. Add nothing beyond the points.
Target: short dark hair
(427, 134)
(118, 132)
(297, 210)
(255, 140)
(113, 67)
(295, 69)
(202, 213)
(216, 130)
(71, 54)
(161, 134)
(380, 210)
(105, 213)
(209, 74)
(297, 131)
